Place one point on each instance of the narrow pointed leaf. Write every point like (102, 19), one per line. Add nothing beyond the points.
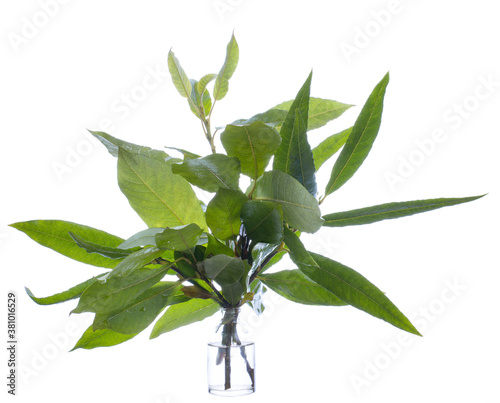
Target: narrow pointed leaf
(106, 251)
(113, 145)
(294, 155)
(179, 76)
(360, 140)
(54, 234)
(253, 145)
(211, 172)
(388, 211)
(221, 85)
(321, 111)
(186, 154)
(72, 293)
(141, 258)
(179, 238)
(101, 338)
(300, 209)
(297, 287)
(184, 314)
(204, 81)
(161, 198)
(142, 238)
(137, 316)
(263, 221)
(223, 213)
(347, 284)
(329, 147)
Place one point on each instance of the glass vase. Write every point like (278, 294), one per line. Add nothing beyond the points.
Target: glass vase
(231, 360)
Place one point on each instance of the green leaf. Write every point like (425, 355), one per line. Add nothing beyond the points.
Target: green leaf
(216, 247)
(179, 76)
(54, 234)
(101, 338)
(186, 154)
(272, 117)
(321, 111)
(113, 145)
(263, 221)
(328, 147)
(360, 140)
(72, 293)
(141, 258)
(106, 251)
(115, 292)
(184, 314)
(179, 238)
(347, 284)
(253, 145)
(300, 209)
(388, 211)
(223, 213)
(297, 287)
(142, 238)
(204, 81)
(223, 269)
(233, 292)
(221, 85)
(294, 155)
(200, 104)
(211, 172)
(137, 316)
(161, 198)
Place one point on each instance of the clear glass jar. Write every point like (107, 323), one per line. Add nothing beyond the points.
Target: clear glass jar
(231, 361)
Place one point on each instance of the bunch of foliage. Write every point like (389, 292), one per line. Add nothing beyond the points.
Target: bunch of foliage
(193, 258)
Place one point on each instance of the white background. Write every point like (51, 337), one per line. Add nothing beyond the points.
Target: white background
(71, 74)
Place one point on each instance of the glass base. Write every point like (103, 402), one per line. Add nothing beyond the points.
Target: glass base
(218, 390)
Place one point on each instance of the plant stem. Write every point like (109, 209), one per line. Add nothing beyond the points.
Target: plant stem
(266, 261)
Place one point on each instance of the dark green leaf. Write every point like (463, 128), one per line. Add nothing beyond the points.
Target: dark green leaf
(321, 111)
(221, 85)
(216, 247)
(179, 76)
(347, 284)
(360, 140)
(253, 145)
(297, 287)
(263, 221)
(233, 292)
(179, 238)
(106, 251)
(388, 211)
(137, 316)
(184, 314)
(101, 338)
(223, 213)
(294, 155)
(211, 172)
(72, 293)
(300, 209)
(328, 147)
(161, 198)
(223, 269)
(54, 234)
